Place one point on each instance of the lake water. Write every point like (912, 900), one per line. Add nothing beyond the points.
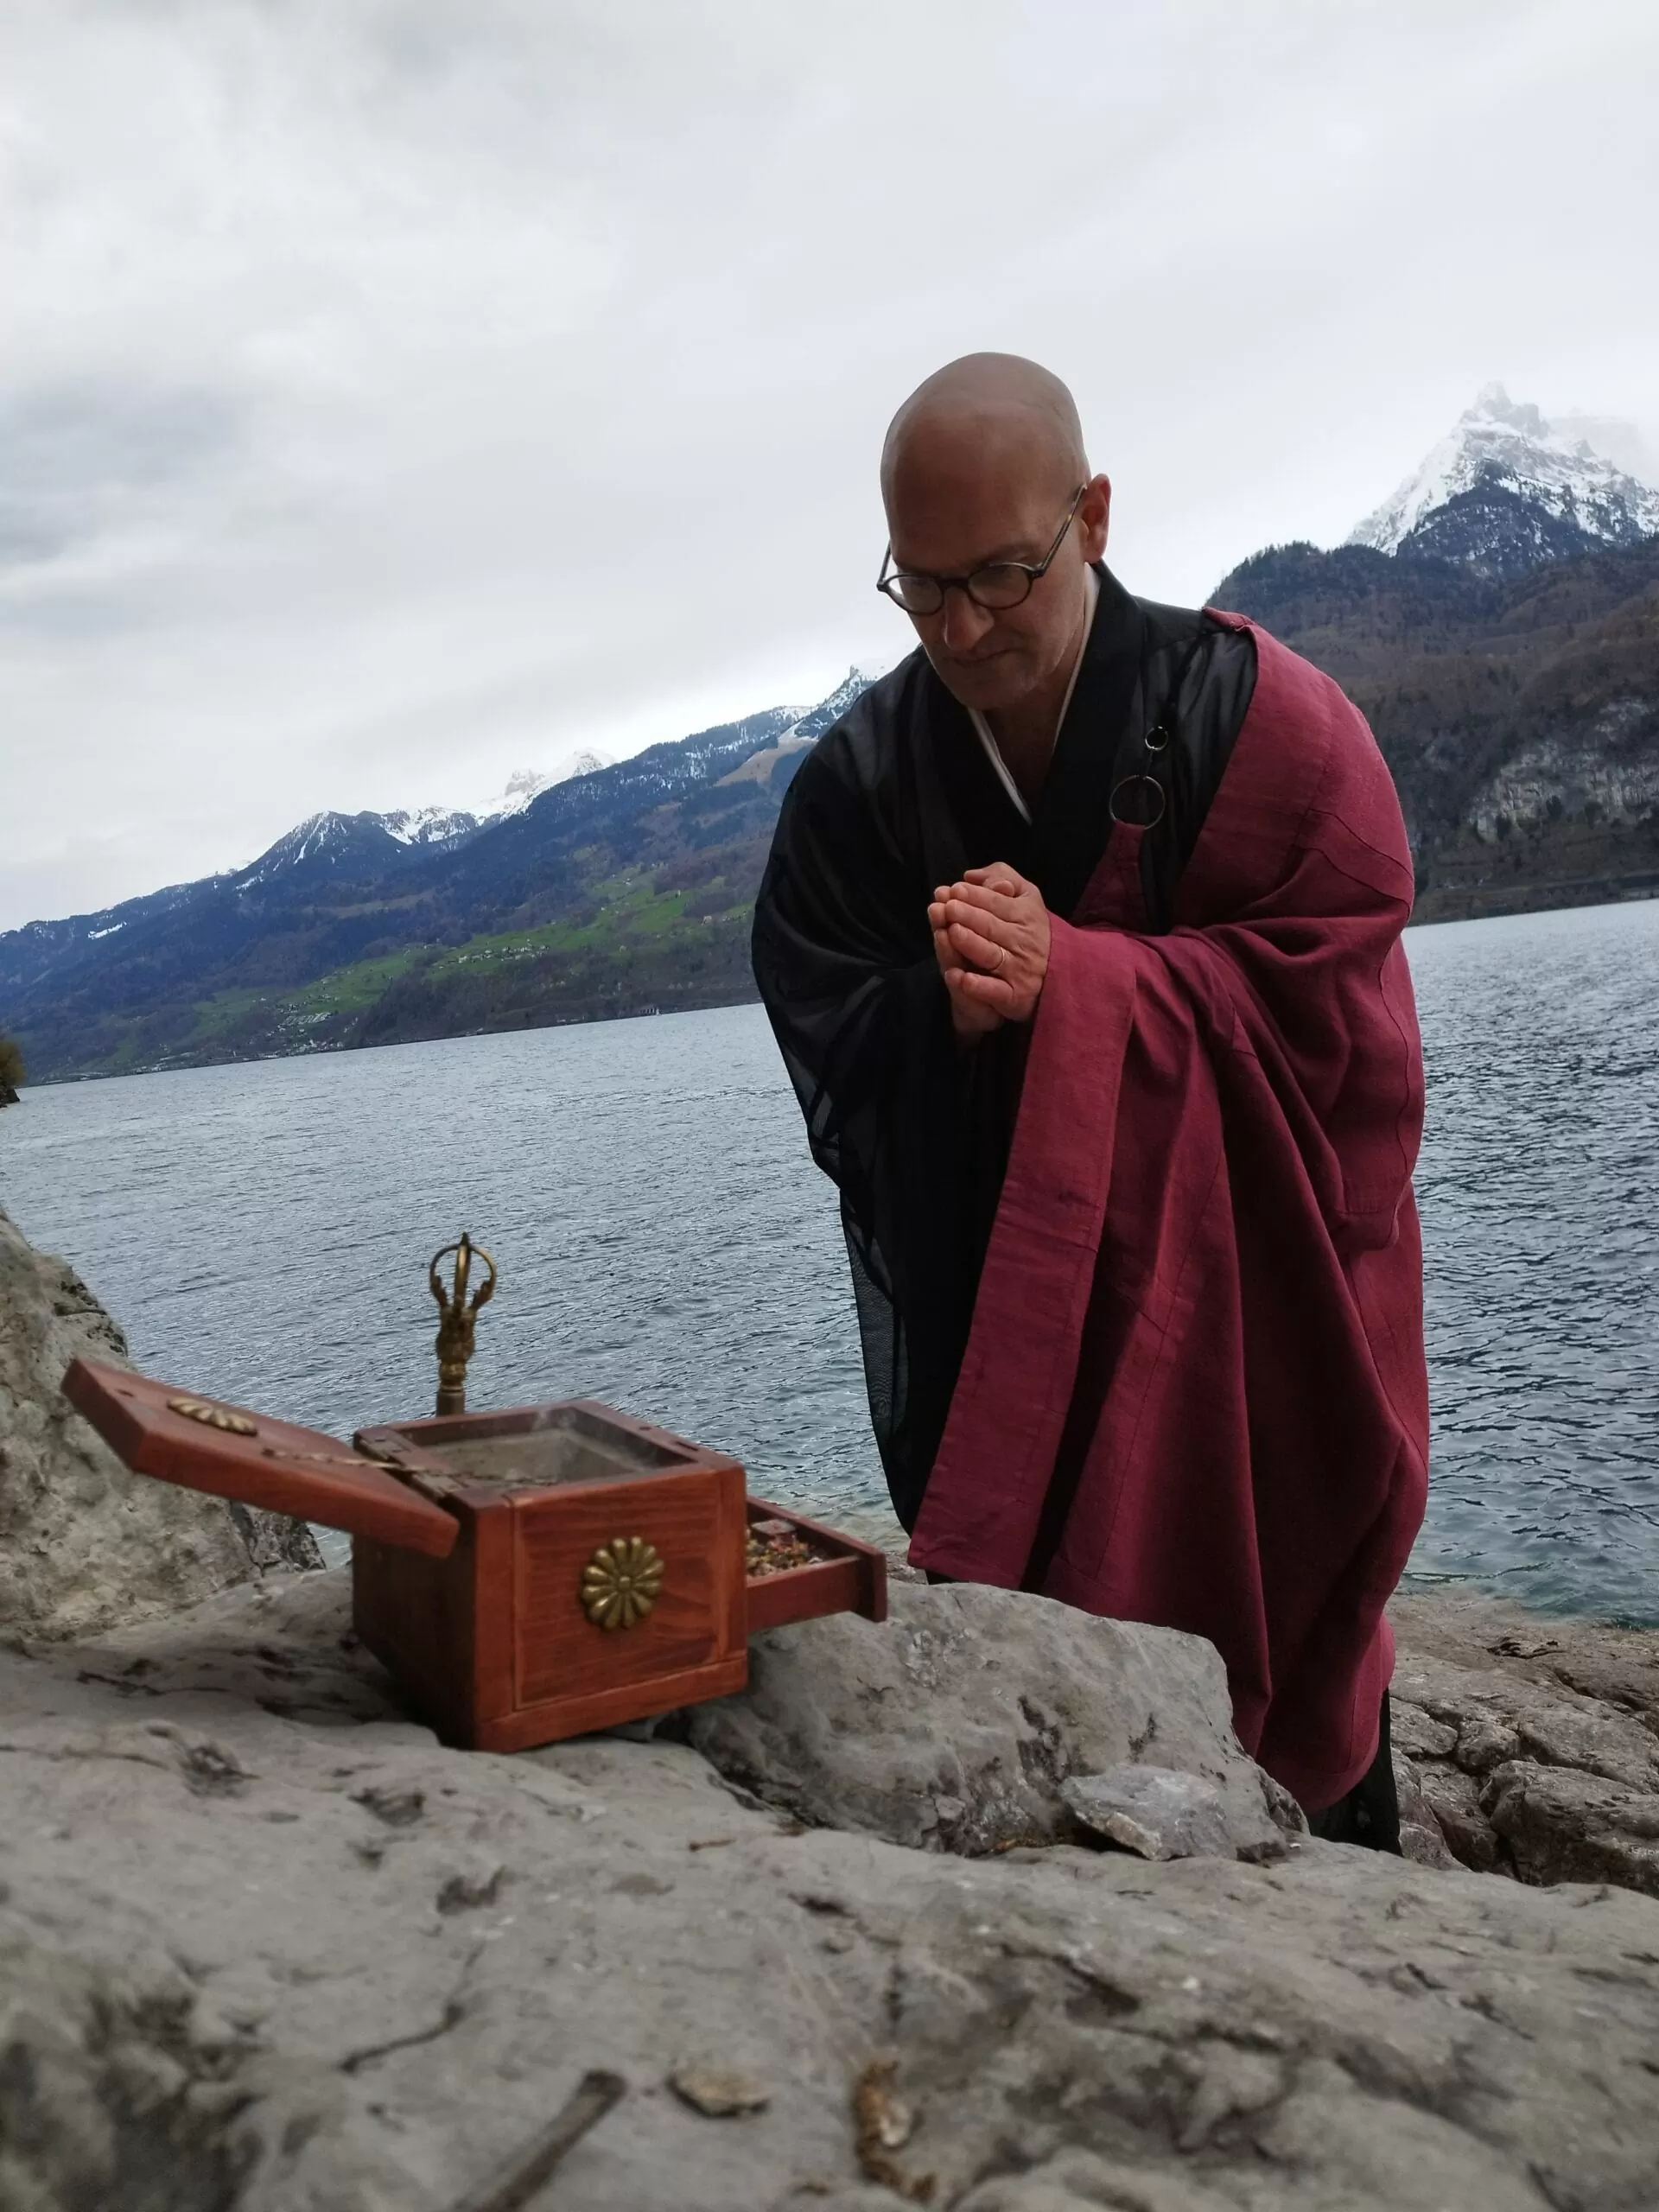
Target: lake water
(263, 1232)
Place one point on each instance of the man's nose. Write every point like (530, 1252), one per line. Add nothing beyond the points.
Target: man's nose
(962, 622)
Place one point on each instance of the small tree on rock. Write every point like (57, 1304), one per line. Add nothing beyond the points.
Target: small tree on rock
(11, 1065)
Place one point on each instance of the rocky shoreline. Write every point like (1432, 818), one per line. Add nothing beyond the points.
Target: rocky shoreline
(1531, 1743)
(894, 1926)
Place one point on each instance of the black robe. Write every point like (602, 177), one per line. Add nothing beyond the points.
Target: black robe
(897, 797)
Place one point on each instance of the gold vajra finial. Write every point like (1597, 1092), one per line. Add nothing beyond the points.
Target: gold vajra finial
(458, 1319)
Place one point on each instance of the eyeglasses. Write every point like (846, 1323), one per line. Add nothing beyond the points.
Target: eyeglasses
(997, 585)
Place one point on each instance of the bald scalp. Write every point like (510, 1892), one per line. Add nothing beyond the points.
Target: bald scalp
(988, 400)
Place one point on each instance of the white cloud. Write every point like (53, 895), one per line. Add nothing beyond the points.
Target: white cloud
(395, 392)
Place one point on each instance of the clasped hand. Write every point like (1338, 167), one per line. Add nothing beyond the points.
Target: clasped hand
(990, 937)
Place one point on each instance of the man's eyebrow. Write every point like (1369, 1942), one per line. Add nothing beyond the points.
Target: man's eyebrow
(1011, 550)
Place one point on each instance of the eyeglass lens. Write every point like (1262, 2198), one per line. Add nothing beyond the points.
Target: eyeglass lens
(1002, 584)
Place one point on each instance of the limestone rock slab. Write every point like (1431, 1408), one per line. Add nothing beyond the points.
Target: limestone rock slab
(1160, 1814)
(1558, 1825)
(953, 1725)
(219, 1951)
(1534, 1745)
(84, 1543)
(1421, 1837)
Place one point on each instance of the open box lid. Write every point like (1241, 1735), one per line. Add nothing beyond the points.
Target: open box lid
(160, 1430)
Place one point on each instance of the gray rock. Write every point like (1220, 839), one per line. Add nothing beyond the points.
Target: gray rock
(275, 1542)
(1532, 1747)
(116, 2091)
(1421, 1838)
(717, 2092)
(1556, 1825)
(1485, 1741)
(1619, 1668)
(85, 1544)
(1159, 1813)
(1419, 1737)
(226, 1978)
(955, 1723)
(1077, 2179)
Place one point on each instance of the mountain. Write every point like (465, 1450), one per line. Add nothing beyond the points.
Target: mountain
(528, 784)
(1504, 492)
(1497, 620)
(333, 842)
(620, 889)
(1519, 713)
(322, 846)
(351, 839)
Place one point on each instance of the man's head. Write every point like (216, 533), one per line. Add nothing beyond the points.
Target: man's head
(981, 464)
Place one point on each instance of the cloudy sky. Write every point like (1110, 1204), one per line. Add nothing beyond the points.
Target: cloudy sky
(397, 393)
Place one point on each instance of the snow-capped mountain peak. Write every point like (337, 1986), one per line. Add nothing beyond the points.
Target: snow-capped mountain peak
(804, 729)
(522, 786)
(525, 786)
(326, 842)
(1522, 491)
(331, 840)
(318, 838)
(427, 825)
(814, 722)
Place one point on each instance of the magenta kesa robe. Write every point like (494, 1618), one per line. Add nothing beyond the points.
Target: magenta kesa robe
(1197, 1349)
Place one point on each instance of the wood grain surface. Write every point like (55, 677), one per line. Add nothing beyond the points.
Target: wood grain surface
(281, 1466)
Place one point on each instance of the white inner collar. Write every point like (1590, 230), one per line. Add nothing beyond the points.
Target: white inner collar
(992, 752)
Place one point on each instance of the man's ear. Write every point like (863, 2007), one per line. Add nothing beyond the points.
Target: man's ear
(1094, 517)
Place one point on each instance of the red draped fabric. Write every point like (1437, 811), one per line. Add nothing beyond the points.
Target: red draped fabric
(1199, 1330)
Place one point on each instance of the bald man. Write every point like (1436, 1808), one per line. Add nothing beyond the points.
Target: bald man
(1080, 937)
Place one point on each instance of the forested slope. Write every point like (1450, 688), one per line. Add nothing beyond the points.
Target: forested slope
(1520, 716)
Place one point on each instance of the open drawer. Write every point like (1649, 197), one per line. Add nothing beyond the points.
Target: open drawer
(842, 1575)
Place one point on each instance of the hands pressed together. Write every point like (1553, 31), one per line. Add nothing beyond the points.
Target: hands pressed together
(990, 937)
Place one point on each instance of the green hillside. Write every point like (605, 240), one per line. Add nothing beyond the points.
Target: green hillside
(644, 949)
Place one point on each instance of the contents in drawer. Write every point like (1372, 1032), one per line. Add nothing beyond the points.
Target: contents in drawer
(775, 1545)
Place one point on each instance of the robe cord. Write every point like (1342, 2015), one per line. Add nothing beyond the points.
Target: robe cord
(1144, 765)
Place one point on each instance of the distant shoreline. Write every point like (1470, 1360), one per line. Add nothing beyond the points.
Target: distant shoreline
(1448, 906)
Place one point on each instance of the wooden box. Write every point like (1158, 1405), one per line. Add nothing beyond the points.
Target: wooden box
(526, 1575)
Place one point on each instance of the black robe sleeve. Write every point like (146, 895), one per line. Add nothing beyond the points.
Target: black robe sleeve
(894, 1108)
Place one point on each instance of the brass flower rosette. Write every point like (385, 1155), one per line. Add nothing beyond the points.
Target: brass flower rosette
(213, 1416)
(621, 1582)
